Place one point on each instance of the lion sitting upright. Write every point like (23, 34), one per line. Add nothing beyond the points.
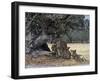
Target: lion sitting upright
(61, 50)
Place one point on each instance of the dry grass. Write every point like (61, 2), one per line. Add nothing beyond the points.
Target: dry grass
(47, 61)
(82, 49)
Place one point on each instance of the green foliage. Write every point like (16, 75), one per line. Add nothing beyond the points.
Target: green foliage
(71, 28)
(53, 23)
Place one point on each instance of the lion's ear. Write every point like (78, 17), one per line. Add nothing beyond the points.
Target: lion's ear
(68, 47)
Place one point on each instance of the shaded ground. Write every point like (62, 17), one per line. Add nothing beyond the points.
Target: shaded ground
(50, 61)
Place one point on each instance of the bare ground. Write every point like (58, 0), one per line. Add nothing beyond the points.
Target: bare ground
(50, 61)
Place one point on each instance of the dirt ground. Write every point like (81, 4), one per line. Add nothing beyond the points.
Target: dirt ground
(50, 61)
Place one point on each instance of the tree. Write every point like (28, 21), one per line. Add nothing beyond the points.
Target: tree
(51, 26)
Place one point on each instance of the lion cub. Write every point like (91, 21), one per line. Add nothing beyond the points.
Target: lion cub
(77, 57)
